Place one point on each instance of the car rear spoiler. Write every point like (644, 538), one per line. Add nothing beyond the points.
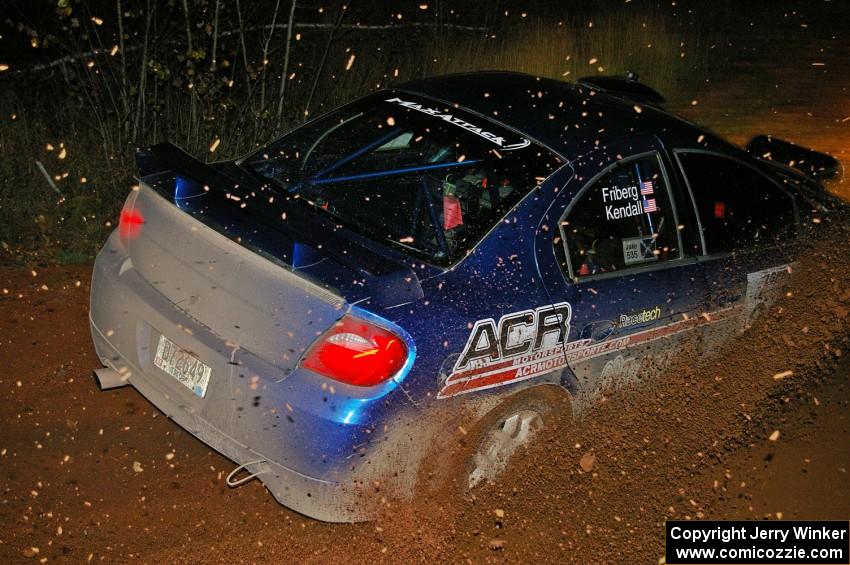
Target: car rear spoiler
(167, 157)
(809, 162)
(627, 87)
(390, 281)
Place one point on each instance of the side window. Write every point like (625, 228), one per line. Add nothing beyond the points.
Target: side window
(737, 206)
(624, 220)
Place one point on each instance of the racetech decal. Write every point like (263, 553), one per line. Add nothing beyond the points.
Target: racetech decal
(634, 318)
(454, 120)
(528, 344)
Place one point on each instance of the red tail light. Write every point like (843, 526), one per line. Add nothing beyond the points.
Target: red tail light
(357, 352)
(130, 224)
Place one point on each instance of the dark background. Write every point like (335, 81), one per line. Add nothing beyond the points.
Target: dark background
(86, 82)
(102, 477)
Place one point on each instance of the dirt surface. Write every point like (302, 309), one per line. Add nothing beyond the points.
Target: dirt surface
(103, 476)
(90, 476)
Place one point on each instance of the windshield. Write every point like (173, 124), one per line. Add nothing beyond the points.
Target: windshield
(425, 178)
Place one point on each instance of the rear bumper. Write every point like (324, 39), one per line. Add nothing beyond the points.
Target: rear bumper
(322, 500)
(313, 451)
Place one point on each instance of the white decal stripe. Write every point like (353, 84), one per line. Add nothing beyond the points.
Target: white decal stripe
(464, 377)
(578, 350)
(489, 136)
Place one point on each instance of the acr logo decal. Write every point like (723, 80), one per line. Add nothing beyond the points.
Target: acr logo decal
(522, 345)
(454, 120)
(483, 365)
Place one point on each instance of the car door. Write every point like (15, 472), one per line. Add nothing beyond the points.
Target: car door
(747, 223)
(626, 264)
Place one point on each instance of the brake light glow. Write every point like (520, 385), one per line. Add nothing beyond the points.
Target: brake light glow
(357, 352)
(130, 223)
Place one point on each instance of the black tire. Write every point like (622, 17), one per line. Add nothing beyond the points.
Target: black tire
(452, 457)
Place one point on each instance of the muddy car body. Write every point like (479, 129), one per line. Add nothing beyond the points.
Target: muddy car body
(452, 245)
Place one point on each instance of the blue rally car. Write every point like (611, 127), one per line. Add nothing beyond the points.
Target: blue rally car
(446, 263)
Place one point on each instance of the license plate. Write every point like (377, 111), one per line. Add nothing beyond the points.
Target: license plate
(183, 366)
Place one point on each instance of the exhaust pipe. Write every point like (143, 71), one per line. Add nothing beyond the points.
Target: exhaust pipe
(110, 378)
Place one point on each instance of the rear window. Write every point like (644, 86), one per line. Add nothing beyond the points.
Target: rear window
(425, 178)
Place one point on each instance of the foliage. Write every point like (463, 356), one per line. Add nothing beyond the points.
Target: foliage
(219, 77)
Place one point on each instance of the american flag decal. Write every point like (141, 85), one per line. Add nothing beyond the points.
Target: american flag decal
(646, 188)
(649, 205)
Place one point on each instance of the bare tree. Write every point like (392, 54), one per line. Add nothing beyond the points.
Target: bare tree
(188, 28)
(321, 68)
(265, 61)
(139, 118)
(283, 76)
(189, 53)
(215, 37)
(123, 59)
(244, 49)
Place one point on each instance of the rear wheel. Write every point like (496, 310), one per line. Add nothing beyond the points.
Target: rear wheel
(473, 454)
(501, 442)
